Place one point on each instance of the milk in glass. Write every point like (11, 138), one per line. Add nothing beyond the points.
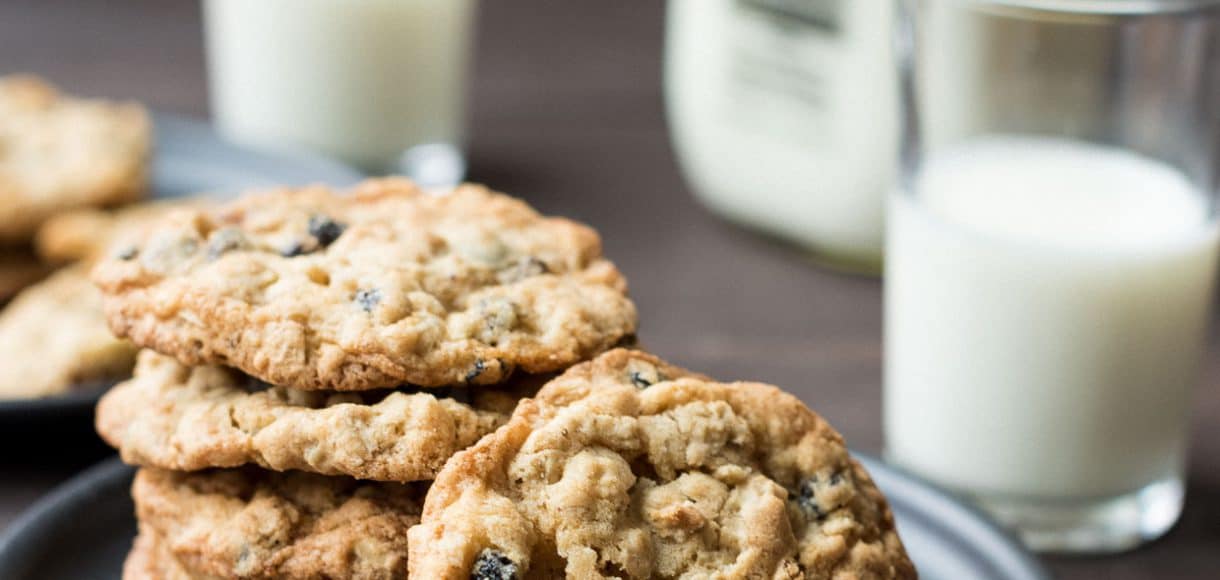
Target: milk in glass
(1046, 303)
(363, 80)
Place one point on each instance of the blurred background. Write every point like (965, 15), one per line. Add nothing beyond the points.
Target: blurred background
(565, 109)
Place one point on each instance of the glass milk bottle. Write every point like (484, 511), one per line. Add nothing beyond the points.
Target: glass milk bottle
(783, 115)
(1052, 257)
(379, 84)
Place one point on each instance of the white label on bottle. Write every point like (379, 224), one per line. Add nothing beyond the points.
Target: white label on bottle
(779, 67)
(824, 14)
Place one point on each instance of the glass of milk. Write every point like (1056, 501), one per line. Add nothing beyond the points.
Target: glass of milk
(1051, 258)
(379, 84)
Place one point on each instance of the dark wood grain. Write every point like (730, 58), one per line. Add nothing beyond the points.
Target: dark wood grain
(567, 113)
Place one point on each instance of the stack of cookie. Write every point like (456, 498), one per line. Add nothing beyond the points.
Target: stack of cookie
(364, 385)
(311, 354)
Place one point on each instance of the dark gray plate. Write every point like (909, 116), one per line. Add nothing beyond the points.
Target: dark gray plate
(189, 158)
(83, 529)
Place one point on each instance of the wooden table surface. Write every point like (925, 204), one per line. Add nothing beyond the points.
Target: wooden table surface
(567, 113)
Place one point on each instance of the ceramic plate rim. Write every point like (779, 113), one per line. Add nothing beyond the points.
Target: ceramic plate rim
(36, 528)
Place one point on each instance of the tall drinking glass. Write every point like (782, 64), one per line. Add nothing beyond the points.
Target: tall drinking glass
(380, 84)
(1052, 250)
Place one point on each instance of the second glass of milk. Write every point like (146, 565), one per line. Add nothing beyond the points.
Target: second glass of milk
(379, 84)
(1051, 258)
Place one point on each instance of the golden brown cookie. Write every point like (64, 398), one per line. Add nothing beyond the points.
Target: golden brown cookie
(59, 153)
(54, 338)
(312, 289)
(628, 467)
(88, 234)
(174, 417)
(249, 523)
(150, 559)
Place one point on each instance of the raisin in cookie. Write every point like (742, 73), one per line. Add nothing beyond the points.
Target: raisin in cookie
(310, 289)
(627, 467)
(58, 153)
(54, 337)
(174, 417)
(250, 523)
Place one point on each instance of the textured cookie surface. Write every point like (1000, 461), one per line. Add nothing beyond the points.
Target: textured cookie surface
(89, 233)
(54, 337)
(150, 559)
(311, 289)
(58, 153)
(174, 417)
(627, 467)
(248, 523)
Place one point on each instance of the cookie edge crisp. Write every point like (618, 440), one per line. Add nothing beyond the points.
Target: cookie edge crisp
(201, 547)
(149, 559)
(149, 427)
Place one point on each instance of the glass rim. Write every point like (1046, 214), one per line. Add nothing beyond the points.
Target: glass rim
(1107, 7)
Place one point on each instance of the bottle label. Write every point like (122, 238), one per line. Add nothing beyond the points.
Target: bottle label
(781, 61)
(824, 14)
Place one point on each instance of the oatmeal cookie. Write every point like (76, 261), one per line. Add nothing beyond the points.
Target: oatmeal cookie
(249, 523)
(150, 559)
(311, 289)
(58, 153)
(88, 234)
(174, 417)
(54, 337)
(627, 467)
